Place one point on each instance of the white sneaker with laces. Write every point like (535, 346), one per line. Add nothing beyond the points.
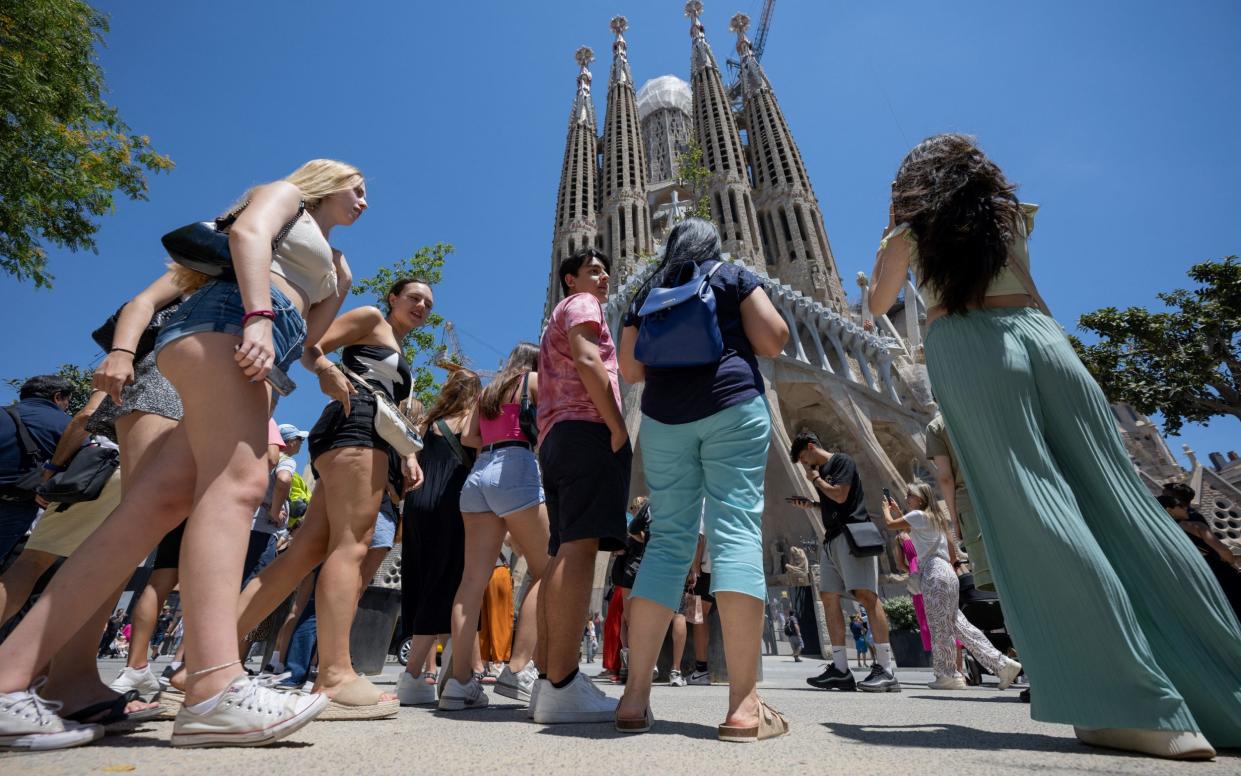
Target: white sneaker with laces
(1009, 673)
(457, 696)
(700, 677)
(140, 679)
(954, 682)
(247, 714)
(534, 696)
(579, 701)
(27, 721)
(675, 679)
(413, 690)
(517, 685)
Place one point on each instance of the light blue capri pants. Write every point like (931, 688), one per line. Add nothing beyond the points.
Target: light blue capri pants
(722, 458)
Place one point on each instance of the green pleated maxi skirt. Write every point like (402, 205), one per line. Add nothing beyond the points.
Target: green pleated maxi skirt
(1116, 617)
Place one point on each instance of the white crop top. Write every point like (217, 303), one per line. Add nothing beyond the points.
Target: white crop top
(304, 258)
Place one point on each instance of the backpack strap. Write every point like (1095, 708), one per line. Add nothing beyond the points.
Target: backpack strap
(454, 442)
(30, 448)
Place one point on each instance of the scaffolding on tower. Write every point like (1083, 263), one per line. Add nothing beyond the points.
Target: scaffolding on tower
(759, 43)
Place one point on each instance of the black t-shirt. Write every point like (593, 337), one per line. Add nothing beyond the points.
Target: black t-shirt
(686, 394)
(841, 470)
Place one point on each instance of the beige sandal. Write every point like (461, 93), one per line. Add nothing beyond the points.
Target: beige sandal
(771, 724)
(640, 725)
(359, 699)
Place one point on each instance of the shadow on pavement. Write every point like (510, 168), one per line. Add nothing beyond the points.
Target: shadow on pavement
(970, 698)
(600, 731)
(941, 736)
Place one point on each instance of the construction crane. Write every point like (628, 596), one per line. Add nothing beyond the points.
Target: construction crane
(449, 355)
(758, 42)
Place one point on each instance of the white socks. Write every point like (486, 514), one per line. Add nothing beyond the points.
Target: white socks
(883, 655)
(840, 659)
(207, 705)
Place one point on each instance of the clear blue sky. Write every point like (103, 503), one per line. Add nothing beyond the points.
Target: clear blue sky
(1119, 118)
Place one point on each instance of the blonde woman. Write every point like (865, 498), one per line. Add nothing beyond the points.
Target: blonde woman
(929, 527)
(219, 351)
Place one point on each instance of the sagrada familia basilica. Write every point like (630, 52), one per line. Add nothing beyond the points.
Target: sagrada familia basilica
(862, 388)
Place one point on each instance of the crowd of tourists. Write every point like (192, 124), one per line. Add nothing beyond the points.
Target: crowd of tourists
(536, 465)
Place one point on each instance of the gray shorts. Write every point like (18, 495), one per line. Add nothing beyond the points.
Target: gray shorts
(840, 572)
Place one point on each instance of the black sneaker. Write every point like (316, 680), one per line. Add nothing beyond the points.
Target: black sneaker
(879, 680)
(1025, 695)
(833, 679)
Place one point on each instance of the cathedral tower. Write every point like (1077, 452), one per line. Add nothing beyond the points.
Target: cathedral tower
(790, 223)
(732, 206)
(625, 217)
(575, 204)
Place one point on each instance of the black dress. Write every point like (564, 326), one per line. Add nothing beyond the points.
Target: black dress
(434, 545)
(1228, 577)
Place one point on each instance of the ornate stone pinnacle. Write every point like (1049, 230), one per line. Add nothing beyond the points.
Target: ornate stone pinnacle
(619, 24)
(739, 23)
(584, 56)
(693, 9)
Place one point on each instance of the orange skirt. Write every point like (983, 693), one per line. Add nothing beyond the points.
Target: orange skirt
(495, 628)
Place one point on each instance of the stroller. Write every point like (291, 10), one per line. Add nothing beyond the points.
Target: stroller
(983, 611)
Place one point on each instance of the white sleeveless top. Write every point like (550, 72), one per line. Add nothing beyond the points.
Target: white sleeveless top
(304, 258)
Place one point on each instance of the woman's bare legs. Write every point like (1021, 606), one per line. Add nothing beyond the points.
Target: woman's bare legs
(484, 533)
(225, 425)
(678, 640)
(741, 620)
(19, 580)
(530, 533)
(421, 655)
(289, 569)
(370, 564)
(648, 622)
(146, 614)
(355, 478)
(158, 496)
(285, 633)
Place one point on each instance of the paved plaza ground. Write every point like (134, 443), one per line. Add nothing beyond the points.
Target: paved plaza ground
(974, 731)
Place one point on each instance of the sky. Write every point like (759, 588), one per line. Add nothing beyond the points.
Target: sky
(1118, 117)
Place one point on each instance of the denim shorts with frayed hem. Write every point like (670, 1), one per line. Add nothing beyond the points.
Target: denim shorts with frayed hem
(217, 306)
(503, 481)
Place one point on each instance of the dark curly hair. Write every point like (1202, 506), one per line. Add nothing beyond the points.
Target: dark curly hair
(963, 212)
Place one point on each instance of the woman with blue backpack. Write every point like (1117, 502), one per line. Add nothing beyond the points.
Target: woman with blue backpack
(693, 334)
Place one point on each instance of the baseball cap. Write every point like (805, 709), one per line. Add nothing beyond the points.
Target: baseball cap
(289, 432)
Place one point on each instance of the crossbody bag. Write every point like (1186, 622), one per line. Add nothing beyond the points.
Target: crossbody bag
(464, 457)
(865, 540)
(390, 424)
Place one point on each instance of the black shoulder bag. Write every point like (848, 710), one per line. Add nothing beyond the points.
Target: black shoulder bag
(30, 475)
(203, 246)
(865, 540)
(85, 477)
(464, 457)
(528, 414)
(104, 335)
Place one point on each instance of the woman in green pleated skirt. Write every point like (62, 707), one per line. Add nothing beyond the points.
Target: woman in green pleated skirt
(1082, 553)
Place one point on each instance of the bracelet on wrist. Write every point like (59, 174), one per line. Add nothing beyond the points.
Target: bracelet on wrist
(320, 370)
(122, 350)
(54, 468)
(268, 314)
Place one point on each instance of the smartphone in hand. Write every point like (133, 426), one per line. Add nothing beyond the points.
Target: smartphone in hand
(280, 382)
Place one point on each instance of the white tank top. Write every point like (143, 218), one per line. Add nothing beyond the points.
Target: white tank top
(304, 258)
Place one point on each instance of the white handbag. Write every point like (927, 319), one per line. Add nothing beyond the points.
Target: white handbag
(390, 424)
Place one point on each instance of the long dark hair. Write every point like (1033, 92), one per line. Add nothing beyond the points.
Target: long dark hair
(458, 394)
(963, 213)
(694, 240)
(523, 359)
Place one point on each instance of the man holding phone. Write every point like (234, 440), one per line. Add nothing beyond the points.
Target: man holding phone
(841, 501)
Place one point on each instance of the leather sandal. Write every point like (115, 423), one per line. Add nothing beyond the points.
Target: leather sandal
(640, 725)
(359, 699)
(771, 724)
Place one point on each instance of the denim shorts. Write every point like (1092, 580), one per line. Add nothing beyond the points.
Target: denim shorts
(385, 527)
(503, 481)
(217, 306)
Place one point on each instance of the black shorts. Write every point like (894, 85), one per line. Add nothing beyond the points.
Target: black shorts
(335, 429)
(702, 588)
(586, 484)
(168, 554)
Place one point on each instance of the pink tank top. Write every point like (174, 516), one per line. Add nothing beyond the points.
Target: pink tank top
(506, 427)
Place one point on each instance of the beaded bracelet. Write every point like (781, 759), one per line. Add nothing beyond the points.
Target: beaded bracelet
(268, 314)
(123, 350)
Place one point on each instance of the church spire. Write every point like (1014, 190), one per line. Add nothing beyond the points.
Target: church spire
(575, 226)
(790, 222)
(732, 206)
(625, 216)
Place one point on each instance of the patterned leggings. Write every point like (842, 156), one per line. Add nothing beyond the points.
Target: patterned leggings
(940, 592)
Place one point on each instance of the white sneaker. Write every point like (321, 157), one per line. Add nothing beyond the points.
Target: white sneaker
(580, 701)
(675, 679)
(413, 690)
(1009, 673)
(700, 677)
(247, 714)
(517, 685)
(954, 682)
(140, 679)
(27, 721)
(457, 696)
(534, 696)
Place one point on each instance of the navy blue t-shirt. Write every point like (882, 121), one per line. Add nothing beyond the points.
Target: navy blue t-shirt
(45, 422)
(686, 394)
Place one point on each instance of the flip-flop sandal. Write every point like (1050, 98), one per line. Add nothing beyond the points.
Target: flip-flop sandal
(115, 712)
(641, 725)
(359, 699)
(771, 724)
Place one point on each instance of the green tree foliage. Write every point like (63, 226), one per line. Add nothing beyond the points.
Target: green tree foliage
(1184, 362)
(64, 151)
(426, 264)
(79, 376)
(693, 172)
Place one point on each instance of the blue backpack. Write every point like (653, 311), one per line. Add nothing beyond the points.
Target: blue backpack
(679, 326)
